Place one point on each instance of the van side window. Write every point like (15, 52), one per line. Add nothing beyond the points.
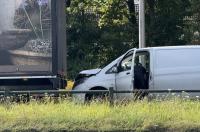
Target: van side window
(126, 62)
(142, 58)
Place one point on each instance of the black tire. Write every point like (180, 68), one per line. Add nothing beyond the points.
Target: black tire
(100, 97)
(95, 97)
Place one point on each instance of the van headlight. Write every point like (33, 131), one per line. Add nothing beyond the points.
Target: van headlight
(79, 81)
(81, 78)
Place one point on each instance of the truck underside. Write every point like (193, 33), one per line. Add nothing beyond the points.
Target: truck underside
(32, 84)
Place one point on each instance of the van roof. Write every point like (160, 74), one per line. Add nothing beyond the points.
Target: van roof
(171, 47)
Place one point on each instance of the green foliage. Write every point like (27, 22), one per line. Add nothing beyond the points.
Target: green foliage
(166, 21)
(101, 30)
(113, 12)
(192, 24)
(96, 32)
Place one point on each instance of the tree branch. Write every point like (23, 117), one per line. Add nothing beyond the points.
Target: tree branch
(131, 8)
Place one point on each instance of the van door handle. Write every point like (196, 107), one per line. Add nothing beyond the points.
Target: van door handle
(127, 73)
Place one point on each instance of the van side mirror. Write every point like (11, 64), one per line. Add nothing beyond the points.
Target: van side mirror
(115, 69)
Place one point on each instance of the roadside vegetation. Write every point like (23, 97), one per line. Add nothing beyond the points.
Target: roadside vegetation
(99, 31)
(168, 115)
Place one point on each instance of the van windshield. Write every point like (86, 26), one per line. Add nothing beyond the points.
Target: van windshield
(110, 62)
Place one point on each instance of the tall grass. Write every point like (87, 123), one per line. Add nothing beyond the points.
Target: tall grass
(170, 115)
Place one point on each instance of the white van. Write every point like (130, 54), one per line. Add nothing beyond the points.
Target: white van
(163, 68)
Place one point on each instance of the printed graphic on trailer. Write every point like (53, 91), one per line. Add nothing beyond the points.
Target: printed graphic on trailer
(25, 32)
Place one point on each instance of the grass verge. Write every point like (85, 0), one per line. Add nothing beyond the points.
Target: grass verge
(171, 115)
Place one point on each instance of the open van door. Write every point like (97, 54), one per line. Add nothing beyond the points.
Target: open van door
(141, 72)
(124, 78)
(132, 70)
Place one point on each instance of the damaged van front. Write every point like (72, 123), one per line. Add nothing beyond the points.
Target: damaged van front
(98, 79)
(84, 75)
(95, 79)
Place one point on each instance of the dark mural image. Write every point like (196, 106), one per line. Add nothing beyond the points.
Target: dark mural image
(25, 33)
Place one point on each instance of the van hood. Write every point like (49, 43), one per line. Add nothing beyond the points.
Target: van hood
(90, 72)
(83, 75)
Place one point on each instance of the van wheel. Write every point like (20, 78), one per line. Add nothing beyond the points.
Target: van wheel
(96, 96)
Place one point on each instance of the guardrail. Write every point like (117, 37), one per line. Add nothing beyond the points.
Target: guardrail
(110, 92)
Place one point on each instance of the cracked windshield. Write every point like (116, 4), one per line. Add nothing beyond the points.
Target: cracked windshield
(25, 32)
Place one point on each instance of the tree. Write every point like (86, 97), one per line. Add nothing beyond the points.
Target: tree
(192, 24)
(96, 32)
(101, 30)
(165, 21)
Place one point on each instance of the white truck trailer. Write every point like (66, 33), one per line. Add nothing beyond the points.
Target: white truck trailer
(32, 44)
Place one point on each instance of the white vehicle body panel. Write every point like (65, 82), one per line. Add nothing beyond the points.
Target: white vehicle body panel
(177, 69)
(93, 71)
